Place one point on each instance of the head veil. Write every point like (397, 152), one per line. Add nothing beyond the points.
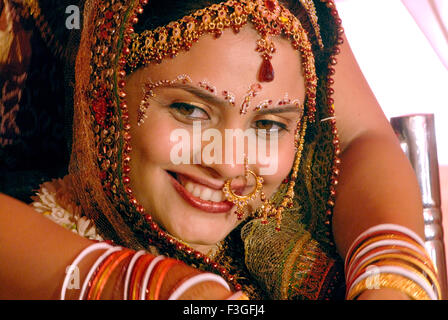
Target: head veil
(302, 263)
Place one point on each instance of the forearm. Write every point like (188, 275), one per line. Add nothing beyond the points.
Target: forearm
(35, 253)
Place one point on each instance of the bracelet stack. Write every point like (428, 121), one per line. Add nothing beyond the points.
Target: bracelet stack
(391, 256)
(142, 274)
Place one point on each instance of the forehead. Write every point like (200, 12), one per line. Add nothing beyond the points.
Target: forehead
(232, 63)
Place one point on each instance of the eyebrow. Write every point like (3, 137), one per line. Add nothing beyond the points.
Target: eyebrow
(213, 99)
(282, 109)
(199, 92)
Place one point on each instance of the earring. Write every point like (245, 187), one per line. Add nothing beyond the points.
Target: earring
(242, 201)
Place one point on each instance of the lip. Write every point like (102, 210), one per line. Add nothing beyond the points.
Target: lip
(206, 206)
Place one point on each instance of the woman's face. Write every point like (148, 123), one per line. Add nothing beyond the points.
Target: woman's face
(185, 150)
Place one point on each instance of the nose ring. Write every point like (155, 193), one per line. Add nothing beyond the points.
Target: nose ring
(242, 200)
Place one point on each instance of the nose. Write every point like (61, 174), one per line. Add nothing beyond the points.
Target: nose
(223, 154)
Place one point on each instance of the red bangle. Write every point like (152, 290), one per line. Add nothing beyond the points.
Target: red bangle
(156, 280)
(108, 271)
(137, 273)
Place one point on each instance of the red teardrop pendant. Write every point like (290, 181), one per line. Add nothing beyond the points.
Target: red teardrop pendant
(266, 71)
(270, 4)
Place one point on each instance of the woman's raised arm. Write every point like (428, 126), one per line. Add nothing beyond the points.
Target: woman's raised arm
(36, 252)
(377, 184)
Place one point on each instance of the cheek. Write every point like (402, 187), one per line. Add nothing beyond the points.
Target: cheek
(151, 141)
(284, 162)
(286, 157)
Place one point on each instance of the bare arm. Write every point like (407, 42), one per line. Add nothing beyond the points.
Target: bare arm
(377, 183)
(35, 252)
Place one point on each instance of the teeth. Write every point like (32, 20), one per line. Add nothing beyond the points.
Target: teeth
(206, 194)
(216, 196)
(197, 191)
(189, 186)
(203, 192)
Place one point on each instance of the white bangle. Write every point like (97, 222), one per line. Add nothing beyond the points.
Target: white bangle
(402, 272)
(351, 272)
(129, 272)
(378, 244)
(147, 274)
(95, 266)
(82, 255)
(382, 227)
(202, 277)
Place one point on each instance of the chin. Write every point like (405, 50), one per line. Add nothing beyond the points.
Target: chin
(198, 228)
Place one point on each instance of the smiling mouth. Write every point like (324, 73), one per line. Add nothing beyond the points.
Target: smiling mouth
(198, 195)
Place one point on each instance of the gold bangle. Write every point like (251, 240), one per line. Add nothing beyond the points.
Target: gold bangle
(410, 260)
(423, 258)
(390, 281)
(401, 264)
(386, 237)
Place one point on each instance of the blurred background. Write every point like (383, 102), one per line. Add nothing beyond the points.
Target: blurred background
(402, 49)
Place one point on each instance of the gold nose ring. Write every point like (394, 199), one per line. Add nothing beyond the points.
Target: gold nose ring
(242, 200)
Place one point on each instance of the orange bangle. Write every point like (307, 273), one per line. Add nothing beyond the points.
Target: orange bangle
(156, 280)
(137, 273)
(98, 272)
(108, 271)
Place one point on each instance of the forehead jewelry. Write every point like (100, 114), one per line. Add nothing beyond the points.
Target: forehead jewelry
(269, 18)
(251, 93)
(148, 92)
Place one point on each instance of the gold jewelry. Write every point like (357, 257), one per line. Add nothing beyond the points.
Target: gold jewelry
(411, 260)
(392, 281)
(242, 201)
(269, 18)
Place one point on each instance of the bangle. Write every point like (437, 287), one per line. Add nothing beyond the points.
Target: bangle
(405, 254)
(94, 267)
(202, 277)
(401, 264)
(394, 278)
(368, 256)
(147, 276)
(411, 260)
(157, 277)
(140, 267)
(390, 243)
(82, 255)
(108, 267)
(392, 237)
(382, 229)
(127, 279)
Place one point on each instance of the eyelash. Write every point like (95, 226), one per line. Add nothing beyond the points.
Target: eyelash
(178, 105)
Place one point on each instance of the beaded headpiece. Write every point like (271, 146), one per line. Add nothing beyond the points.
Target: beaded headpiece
(269, 18)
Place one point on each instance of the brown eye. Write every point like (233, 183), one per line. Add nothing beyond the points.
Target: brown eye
(183, 108)
(266, 127)
(265, 124)
(189, 111)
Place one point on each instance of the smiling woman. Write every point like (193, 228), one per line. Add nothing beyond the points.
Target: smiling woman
(244, 75)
